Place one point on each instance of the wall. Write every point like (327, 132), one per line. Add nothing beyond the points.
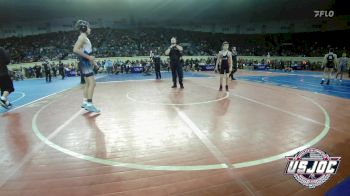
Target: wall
(257, 58)
(310, 25)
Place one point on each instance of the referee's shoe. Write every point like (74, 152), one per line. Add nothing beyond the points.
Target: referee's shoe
(5, 104)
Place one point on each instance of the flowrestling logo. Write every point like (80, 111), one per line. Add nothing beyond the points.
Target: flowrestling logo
(324, 13)
(312, 167)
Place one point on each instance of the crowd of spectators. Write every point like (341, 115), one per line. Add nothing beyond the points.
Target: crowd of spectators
(139, 42)
(145, 65)
(107, 66)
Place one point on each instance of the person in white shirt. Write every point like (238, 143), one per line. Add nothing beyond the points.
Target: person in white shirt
(109, 66)
(268, 58)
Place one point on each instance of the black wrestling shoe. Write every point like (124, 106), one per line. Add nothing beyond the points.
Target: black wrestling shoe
(322, 82)
(182, 86)
(174, 86)
(327, 82)
(220, 89)
(226, 88)
(4, 104)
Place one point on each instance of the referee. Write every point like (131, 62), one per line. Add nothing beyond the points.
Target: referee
(6, 85)
(175, 52)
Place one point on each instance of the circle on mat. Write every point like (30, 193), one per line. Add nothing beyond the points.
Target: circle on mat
(19, 98)
(315, 140)
(159, 95)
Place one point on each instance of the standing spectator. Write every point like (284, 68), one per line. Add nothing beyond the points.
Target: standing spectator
(47, 69)
(54, 69)
(234, 63)
(108, 66)
(343, 62)
(37, 69)
(156, 61)
(30, 72)
(61, 70)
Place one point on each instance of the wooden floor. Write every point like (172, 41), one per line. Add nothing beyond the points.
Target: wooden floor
(154, 140)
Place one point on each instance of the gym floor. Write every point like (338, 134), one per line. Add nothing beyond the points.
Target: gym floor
(153, 140)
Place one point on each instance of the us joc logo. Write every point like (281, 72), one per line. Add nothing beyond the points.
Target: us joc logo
(312, 167)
